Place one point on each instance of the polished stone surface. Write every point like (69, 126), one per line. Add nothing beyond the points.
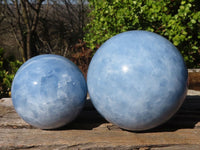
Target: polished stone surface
(137, 80)
(48, 91)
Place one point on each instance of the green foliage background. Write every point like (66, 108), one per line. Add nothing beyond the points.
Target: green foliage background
(8, 68)
(177, 20)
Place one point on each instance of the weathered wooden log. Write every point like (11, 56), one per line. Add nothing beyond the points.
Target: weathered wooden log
(91, 131)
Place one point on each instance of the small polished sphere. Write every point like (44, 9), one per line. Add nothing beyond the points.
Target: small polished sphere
(48, 91)
(137, 80)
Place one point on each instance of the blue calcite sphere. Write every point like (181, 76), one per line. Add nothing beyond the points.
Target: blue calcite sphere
(48, 91)
(137, 80)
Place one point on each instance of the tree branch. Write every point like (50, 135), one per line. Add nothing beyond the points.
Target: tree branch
(31, 6)
(25, 14)
(9, 12)
(36, 17)
(18, 40)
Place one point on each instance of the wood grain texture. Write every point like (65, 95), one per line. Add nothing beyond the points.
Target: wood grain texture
(91, 131)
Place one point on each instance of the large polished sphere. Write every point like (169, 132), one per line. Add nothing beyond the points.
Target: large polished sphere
(137, 80)
(48, 91)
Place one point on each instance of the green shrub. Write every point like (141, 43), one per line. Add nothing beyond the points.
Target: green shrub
(8, 68)
(178, 21)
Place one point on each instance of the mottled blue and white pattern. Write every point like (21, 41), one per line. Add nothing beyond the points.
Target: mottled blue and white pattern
(48, 91)
(137, 80)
